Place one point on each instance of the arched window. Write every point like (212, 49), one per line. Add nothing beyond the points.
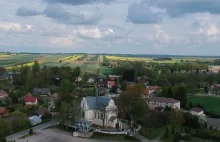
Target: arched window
(83, 114)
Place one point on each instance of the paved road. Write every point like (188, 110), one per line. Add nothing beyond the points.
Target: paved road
(35, 129)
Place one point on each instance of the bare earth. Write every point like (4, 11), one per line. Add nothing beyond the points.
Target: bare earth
(55, 135)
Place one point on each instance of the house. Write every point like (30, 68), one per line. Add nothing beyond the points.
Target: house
(150, 91)
(99, 109)
(41, 91)
(78, 79)
(113, 77)
(155, 102)
(143, 80)
(3, 94)
(91, 80)
(3, 111)
(30, 100)
(41, 112)
(213, 123)
(35, 120)
(111, 84)
(197, 111)
(100, 84)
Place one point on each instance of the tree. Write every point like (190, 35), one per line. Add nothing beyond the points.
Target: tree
(77, 71)
(85, 77)
(170, 93)
(31, 132)
(166, 132)
(173, 130)
(4, 128)
(113, 89)
(36, 68)
(66, 87)
(206, 89)
(2, 71)
(181, 96)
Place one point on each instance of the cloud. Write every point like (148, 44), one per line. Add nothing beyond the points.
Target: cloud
(9, 27)
(61, 15)
(80, 2)
(179, 8)
(94, 33)
(160, 35)
(62, 41)
(27, 12)
(142, 13)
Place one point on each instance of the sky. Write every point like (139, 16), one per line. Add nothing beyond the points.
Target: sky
(173, 27)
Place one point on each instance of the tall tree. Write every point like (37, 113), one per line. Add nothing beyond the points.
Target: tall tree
(170, 93)
(181, 95)
(85, 77)
(36, 68)
(2, 71)
(77, 71)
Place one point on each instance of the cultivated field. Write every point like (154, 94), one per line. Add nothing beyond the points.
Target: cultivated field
(211, 104)
(89, 63)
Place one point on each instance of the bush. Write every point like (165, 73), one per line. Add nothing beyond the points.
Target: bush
(31, 132)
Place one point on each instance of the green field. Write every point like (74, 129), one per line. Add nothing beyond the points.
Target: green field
(211, 104)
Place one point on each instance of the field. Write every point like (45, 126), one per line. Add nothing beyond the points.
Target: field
(211, 104)
(89, 63)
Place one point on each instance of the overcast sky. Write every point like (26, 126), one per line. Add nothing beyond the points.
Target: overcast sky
(182, 27)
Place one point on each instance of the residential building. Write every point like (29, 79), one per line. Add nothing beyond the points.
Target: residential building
(41, 91)
(30, 100)
(111, 84)
(91, 80)
(101, 84)
(155, 102)
(151, 91)
(78, 79)
(3, 111)
(41, 112)
(197, 111)
(98, 109)
(143, 80)
(3, 94)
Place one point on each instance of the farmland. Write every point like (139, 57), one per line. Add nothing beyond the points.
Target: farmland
(90, 63)
(211, 104)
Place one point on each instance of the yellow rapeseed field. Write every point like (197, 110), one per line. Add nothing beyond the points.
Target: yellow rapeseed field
(126, 58)
(76, 57)
(101, 58)
(18, 66)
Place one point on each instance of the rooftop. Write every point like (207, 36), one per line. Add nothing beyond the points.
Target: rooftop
(162, 99)
(196, 109)
(96, 102)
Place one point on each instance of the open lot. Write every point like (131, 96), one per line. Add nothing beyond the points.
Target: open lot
(211, 104)
(56, 135)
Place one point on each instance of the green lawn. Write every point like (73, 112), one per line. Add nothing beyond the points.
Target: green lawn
(151, 133)
(211, 104)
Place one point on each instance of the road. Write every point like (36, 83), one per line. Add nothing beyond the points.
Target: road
(35, 129)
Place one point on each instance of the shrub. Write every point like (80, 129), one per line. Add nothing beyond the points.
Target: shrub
(31, 132)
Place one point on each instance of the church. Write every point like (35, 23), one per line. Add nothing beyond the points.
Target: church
(100, 111)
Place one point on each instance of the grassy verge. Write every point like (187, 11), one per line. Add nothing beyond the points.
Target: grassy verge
(27, 135)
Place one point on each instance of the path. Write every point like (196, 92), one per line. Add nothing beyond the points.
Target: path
(36, 129)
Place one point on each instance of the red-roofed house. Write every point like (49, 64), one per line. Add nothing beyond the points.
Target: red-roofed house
(3, 111)
(3, 94)
(111, 84)
(30, 100)
(150, 90)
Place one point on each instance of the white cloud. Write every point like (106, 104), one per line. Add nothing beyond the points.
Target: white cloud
(159, 36)
(10, 27)
(62, 41)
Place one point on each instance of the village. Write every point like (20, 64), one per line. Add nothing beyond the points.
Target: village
(95, 105)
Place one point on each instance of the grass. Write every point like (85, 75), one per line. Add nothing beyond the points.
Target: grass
(25, 136)
(114, 137)
(154, 132)
(211, 104)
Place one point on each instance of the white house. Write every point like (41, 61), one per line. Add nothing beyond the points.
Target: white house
(99, 108)
(91, 80)
(157, 102)
(78, 79)
(197, 111)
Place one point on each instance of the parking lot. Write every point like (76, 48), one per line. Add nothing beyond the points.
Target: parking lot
(55, 135)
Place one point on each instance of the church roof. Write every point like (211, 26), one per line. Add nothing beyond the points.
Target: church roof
(97, 102)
